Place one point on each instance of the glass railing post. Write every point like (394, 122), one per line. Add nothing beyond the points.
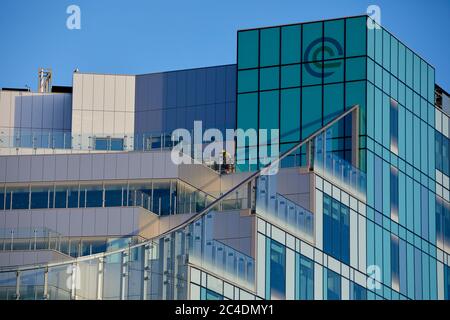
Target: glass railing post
(18, 275)
(145, 285)
(100, 278)
(46, 296)
(124, 275)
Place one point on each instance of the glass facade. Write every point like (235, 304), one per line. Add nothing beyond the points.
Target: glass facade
(365, 217)
(302, 76)
(162, 197)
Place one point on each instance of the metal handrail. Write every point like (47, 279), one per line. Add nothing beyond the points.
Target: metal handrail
(205, 211)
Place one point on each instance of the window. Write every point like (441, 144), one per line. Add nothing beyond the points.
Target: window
(356, 36)
(39, 198)
(2, 200)
(60, 196)
(268, 110)
(333, 104)
(108, 143)
(357, 292)
(113, 196)
(355, 69)
(269, 78)
(290, 115)
(270, 47)
(291, 44)
(305, 278)
(447, 282)
(72, 198)
(248, 80)
(290, 76)
(333, 282)
(311, 110)
(248, 42)
(20, 198)
(394, 193)
(277, 270)
(336, 229)
(334, 39)
(312, 42)
(395, 263)
(394, 126)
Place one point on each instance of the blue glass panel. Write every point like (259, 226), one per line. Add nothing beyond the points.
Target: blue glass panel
(277, 270)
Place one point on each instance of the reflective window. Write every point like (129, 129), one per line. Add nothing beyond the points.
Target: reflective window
(394, 194)
(357, 292)
(270, 47)
(248, 49)
(290, 76)
(290, 115)
(336, 229)
(248, 80)
(334, 39)
(312, 42)
(39, 198)
(291, 44)
(311, 110)
(305, 278)
(277, 270)
(269, 78)
(356, 36)
(333, 103)
(333, 281)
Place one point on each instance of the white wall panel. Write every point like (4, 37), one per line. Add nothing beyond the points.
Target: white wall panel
(88, 89)
(99, 92)
(109, 93)
(120, 93)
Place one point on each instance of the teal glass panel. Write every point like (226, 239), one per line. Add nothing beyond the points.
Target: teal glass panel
(424, 79)
(312, 73)
(386, 50)
(430, 84)
(355, 69)
(290, 115)
(312, 42)
(269, 78)
(378, 76)
(270, 47)
(311, 110)
(355, 93)
(370, 70)
(248, 49)
(248, 80)
(370, 42)
(409, 136)
(356, 37)
(386, 121)
(401, 62)
(409, 68)
(334, 39)
(378, 46)
(268, 110)
(394, 88)
(247, 106)
(386, 81)
(333, 71)
(394, 56)
(291, 44)
(378, 115)
(290, 76)
(416, 80)
(370, 110)
(333, 101)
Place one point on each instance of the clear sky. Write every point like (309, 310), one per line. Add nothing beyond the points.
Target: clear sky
(143, 36)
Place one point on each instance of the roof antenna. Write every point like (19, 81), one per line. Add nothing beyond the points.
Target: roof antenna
(45, 80)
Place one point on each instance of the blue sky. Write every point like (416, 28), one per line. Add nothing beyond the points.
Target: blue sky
(143, 36)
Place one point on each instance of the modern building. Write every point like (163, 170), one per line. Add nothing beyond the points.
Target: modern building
(356, 205)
